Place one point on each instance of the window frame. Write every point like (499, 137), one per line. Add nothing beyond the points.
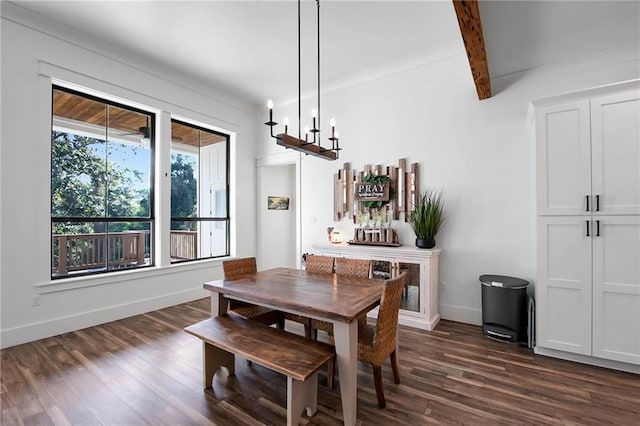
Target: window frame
(151, 219)
(198, 219)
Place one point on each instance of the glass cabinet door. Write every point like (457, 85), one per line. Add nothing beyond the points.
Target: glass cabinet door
(411, 291)
(381, 269)
(384, 270)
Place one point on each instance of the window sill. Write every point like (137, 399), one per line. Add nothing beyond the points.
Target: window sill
(65, 284)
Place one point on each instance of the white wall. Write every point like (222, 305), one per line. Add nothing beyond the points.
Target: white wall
(33, 52)
(277, 240)
(479, 152)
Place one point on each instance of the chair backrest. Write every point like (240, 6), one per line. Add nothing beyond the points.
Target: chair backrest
(384, 338)
(353, 267)
(315, 263)
(238, 267)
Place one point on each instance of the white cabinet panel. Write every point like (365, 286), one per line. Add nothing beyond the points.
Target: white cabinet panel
(563, 291)
(564, 158)
(616, 289)
(615, 138)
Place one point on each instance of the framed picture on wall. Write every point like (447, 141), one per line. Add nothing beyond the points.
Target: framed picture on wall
(277, 203)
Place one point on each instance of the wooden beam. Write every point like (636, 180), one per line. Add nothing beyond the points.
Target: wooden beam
(471, 29)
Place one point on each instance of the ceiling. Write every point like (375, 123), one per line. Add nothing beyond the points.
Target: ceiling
(249, 48)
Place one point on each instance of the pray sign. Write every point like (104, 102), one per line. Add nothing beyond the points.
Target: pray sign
(369, 191)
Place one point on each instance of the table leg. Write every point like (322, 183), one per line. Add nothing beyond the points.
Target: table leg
(219, 304)
(346, 341)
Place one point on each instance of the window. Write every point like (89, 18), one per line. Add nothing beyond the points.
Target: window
(199, 193)
(101, 185)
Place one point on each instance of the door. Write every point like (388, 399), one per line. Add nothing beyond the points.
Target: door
(563, 291)
(564, 159)
(615, 138)
(616, 288)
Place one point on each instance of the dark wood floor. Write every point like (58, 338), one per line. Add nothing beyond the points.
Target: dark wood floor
(146, 370)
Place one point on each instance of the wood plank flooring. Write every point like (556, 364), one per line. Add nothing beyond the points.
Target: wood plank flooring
(146, 370)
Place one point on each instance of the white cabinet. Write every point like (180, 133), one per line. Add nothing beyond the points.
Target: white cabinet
(588, 156)
(564, 158)
(420, 300)
(616, 288)
(564, 287)
(588, 191)
(615, 147)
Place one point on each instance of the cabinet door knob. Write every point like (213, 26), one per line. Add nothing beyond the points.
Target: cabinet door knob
(588, 234)
(597, 202)
(587, 198)
(597, 228)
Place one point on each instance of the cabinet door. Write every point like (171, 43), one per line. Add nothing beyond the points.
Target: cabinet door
(616, 289)
(411, 295)
(563, 290)
(615, 139)
(563, 159)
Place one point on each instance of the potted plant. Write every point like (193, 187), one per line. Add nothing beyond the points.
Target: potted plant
(427, 217)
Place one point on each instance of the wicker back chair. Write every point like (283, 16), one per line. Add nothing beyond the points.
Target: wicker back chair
(353, 267)
(376, 343)
(315, 263)
(349, 267)
(236, 268)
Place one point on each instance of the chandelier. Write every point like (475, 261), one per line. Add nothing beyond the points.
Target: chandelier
(310, 144)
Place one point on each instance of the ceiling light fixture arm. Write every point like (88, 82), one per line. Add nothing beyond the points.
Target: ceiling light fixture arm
(299, 144)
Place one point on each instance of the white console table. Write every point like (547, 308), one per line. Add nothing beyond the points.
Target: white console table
(420, 301)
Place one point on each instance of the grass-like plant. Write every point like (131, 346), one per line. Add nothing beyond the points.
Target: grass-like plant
(428, 214)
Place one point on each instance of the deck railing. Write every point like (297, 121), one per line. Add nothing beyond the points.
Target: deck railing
(184, 245)
(81, 252)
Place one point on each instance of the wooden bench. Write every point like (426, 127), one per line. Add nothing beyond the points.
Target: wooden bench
(295, 356)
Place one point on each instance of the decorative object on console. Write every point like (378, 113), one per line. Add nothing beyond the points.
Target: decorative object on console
(381, 236)
(427, 217)
(329, 232)
(299, 144)
(402, 186)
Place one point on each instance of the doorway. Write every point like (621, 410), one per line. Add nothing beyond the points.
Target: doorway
(278, 227)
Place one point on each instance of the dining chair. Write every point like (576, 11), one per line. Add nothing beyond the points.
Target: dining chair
(376, 343)
(353, 267)
(313, 263)
(316, 263)
(237, 268)
(349, 267)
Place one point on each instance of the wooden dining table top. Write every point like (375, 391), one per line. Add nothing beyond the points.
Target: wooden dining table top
(335, 297)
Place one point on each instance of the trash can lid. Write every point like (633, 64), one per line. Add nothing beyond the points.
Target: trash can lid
(503, 281)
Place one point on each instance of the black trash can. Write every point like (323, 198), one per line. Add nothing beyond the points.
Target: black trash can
(504, 307)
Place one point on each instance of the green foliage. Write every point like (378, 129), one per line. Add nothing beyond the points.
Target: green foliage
(184, 191)
(378, 180)
(428, 214)
(84, 184)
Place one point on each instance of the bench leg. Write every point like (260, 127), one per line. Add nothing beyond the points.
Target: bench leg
(212, 359)
(301, 395)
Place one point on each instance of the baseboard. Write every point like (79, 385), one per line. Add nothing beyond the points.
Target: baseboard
(40, 330)
(584, 359)
(461, 314)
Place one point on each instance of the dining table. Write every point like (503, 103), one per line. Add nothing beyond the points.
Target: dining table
(337, 299)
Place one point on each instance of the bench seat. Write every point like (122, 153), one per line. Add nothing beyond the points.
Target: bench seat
(295, 356)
